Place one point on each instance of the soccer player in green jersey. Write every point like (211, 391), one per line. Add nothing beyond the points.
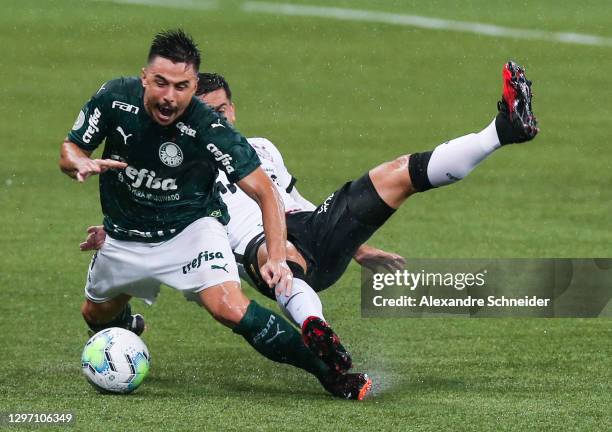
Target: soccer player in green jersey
(325, 238)
(162, 211)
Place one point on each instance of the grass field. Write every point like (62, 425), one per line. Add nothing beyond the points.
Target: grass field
(337, 97)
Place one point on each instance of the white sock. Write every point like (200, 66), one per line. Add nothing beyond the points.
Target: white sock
(455, 159)
(301, 303)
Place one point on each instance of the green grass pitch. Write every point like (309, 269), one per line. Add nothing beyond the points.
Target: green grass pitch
(337, 97)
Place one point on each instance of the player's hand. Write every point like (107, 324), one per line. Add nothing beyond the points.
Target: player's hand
(95, 238)
(278, 275)
(373, 259)
(88, 167)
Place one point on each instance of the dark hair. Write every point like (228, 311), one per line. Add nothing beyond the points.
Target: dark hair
(177, 46)
(209, 82)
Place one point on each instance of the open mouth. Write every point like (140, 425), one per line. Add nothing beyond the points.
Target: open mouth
(165, 112)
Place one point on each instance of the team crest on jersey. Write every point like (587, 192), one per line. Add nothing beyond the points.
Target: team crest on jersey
(171, 154)
(79, 122)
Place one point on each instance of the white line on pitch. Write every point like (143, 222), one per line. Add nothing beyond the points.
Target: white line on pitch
(423, 22)
(177, 4)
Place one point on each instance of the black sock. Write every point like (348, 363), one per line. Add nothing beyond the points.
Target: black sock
(417, 167)
(505, 131)
(273, 337)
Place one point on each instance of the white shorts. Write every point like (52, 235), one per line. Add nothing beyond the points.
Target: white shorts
(197, 258)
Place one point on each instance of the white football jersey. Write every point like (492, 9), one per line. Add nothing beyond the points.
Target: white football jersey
(245, 215)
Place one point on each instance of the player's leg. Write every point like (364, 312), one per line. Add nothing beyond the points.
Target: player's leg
(302, 306)
(199, 262)
(448, 163)
(303, 302)
(103, 312)
(115, 312)
(451, 161)
(113, 278)
(276, 339)
(267, 332)
(346, 219)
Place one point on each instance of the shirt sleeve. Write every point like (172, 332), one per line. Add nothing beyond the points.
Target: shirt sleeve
(230, 151)
(284, 177)
(91, 125)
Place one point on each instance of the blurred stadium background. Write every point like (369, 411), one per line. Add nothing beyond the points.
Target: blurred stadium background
(338, 88)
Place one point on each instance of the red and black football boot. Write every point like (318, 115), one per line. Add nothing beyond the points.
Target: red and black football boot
(515, 122)
(321, 340)
(354, 386)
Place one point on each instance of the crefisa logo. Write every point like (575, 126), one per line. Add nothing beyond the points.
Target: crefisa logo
(186, 129)
(171, 154)
(203, 256)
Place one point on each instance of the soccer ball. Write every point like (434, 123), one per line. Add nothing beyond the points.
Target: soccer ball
(115, 360)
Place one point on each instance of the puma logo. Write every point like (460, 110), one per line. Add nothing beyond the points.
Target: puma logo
(278, 332)
(218, 267)
(216, 125)
(122, 132)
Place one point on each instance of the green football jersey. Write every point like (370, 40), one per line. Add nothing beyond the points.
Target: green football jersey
(170, 178)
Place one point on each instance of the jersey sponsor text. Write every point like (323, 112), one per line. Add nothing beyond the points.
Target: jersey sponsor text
(202, 256)
(147, 179)
(186, 129)
(123, 106)
(93, 121)
(224, 158)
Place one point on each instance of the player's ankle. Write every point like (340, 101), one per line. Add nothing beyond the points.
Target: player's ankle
(123, 319)
(504, 128)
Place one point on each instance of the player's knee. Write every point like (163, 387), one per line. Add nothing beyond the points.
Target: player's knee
(226, 303)
(228, 314)
(296, 262)
(397, 175)
(297, 268)
(399, 164)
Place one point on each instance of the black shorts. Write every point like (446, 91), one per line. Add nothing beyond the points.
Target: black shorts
(329, 236)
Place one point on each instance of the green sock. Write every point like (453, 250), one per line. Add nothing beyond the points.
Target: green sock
(273, 337)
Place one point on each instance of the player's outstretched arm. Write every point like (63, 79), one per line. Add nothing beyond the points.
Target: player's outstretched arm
(76, 162)
(373, 258)
(275, 271)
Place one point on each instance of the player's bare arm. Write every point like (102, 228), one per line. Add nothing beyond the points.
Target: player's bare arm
(77, 163)
(275, 271)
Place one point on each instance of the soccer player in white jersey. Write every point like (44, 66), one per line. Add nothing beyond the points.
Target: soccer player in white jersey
(324, 238)
(302, 305)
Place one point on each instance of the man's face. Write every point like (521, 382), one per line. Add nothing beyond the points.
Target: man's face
(168, 89)
(219, 102)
